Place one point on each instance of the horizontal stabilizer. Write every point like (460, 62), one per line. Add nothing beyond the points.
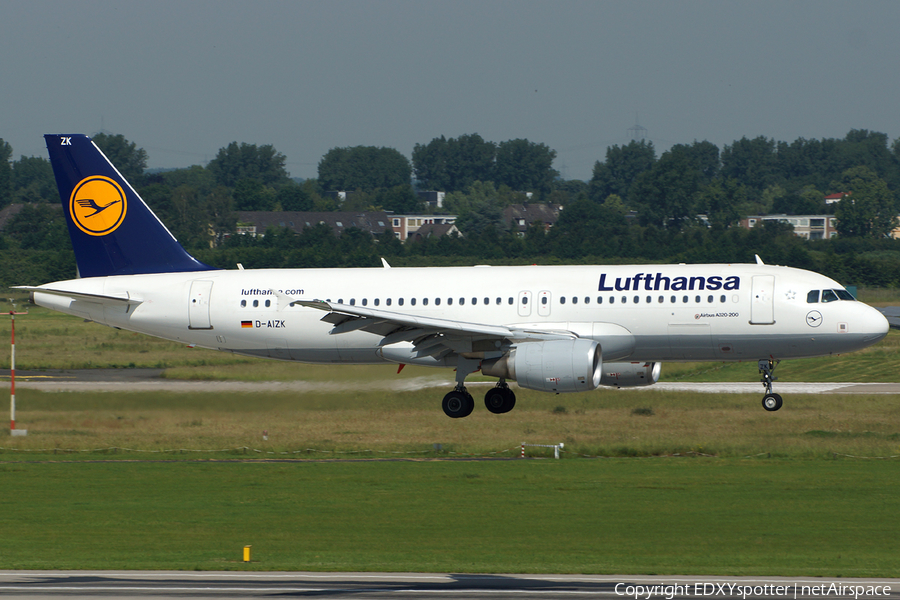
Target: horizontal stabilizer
(123, 300)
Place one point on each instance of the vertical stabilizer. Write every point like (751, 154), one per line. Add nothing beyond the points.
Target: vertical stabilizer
(113, 232)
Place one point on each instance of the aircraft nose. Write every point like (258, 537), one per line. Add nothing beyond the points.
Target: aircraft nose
(875, 325)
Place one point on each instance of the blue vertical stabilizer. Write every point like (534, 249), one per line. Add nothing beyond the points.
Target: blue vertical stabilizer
(113, 232)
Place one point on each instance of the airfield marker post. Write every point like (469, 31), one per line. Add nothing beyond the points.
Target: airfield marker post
(12, 376)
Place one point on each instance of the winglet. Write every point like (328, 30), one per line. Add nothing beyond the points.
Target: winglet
(759, 261)
(385, 263)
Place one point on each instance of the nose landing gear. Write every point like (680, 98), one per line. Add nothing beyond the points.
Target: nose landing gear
(771, 401)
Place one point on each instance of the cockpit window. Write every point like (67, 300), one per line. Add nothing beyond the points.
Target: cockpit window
(844, 295)
(829, 296)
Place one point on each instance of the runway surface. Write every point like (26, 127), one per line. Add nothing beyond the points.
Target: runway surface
(148, 585)
(120, 380)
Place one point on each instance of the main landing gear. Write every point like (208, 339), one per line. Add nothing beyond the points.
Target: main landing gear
(459, 403)
(500, 399)
(771, 401)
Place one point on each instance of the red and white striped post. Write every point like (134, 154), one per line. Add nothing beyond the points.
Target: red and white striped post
(12, 377)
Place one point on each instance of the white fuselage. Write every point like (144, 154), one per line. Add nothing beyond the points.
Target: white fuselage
(636, 312)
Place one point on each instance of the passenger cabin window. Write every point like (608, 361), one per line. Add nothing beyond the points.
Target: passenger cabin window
(255, 303)
(243, 304)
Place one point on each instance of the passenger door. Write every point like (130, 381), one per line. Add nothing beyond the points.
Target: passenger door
(762, 300)
(198, 305)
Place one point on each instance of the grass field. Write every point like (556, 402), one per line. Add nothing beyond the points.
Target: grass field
(656, 516)
(382, 423)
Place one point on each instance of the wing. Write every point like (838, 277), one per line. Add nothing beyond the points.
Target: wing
(430, 336)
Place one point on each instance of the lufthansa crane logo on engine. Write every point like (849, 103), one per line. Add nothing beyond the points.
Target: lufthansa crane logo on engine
(97, 205)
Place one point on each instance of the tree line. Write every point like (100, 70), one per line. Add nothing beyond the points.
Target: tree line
(681, 206)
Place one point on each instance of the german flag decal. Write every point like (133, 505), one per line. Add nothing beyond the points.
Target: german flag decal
(246, 324)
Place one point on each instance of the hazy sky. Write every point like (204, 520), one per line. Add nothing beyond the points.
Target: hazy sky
(184, 78)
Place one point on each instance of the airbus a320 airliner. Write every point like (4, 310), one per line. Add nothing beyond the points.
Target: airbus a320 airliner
(549, 328)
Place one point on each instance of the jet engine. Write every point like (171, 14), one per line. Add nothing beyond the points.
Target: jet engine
(551, 366)
(633, 374)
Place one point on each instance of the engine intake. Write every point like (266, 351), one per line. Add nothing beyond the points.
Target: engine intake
(551, 366)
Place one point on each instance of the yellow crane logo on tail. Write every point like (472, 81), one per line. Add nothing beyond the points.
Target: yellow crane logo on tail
(97, 205)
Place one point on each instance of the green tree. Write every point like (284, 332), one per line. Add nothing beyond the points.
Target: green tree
(721, 201)
(665, 195)
(33, 181)
(248, 161)
(363, 167)
(480, 207)
(399, 199)
(5, 173)
(220, 215)
(751, 162)
(868, 209)
(294, 196)
(455, 164)
(251, 194)
(621, 168)
(130, 160)
(525, 166)
(195, 176)
(586, 228)
(39, 227)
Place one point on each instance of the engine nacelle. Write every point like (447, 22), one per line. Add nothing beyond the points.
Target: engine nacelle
(633, 374)
(551, 366)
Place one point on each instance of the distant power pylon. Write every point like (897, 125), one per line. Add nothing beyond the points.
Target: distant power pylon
(636, 132)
